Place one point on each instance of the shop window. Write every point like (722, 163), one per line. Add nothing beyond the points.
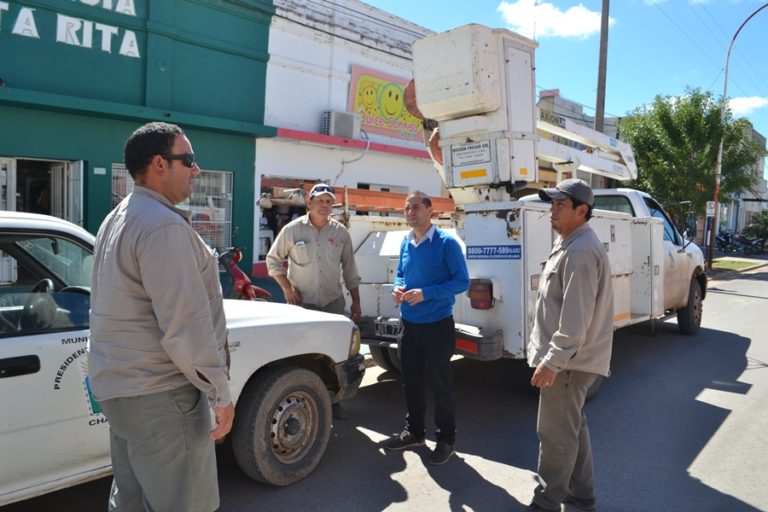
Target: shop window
(210, 203)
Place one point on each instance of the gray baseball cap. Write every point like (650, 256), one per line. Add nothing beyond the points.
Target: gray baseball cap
(569, 189)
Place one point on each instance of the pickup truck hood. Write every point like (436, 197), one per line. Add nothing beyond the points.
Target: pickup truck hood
(262, 333)
(247, 314)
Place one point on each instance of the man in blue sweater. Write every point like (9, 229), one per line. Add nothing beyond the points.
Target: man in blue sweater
(431, 271)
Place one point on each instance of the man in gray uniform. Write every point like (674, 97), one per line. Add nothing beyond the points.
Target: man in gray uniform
(319, 251)
(158, 359)
(570, 347)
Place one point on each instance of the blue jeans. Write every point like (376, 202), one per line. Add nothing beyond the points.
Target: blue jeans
(429, 347)
(162, 457)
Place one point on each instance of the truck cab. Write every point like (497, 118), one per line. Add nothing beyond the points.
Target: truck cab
(683, 260)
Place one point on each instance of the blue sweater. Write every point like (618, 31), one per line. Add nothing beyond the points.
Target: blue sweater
(437, 267)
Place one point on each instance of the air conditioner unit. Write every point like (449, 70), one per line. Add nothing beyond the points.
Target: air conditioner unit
(341, 124)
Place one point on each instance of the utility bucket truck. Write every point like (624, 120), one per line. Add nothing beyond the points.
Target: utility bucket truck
(478, 83)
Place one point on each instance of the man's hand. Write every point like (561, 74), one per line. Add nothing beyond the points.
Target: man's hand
(414, 296)
(292, 295)
(543, 377)
(224, 417)
(356, 311)
(397, 294)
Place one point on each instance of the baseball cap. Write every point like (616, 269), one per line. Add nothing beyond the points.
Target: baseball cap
(322, 188)
(569, 189)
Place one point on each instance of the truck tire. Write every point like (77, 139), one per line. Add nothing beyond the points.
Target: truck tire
(282, 425)
(689, 317)
(386, 357)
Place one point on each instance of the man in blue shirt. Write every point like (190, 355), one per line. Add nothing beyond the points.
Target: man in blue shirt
(431, 271)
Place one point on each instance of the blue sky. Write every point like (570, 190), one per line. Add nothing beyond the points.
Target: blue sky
(654, 46)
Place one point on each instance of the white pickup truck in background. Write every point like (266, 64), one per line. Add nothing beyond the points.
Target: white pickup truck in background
(287, 369)
(656, 272)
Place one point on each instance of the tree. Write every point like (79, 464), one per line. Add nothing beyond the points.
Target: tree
(676, 139)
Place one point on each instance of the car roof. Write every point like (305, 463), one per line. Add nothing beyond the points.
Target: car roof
(36, 221)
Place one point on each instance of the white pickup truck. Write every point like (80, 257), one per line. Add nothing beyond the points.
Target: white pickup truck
(479, 84)
(287, 369)
(656, 272)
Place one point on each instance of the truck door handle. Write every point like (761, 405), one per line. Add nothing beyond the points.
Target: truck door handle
(15, 366)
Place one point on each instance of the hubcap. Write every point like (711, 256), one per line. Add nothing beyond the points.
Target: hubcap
(294, 427)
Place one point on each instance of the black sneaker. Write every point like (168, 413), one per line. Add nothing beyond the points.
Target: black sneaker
(580, 504)
(442, 454)
(402, 441)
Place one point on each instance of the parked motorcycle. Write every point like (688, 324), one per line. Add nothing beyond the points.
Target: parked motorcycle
(724, 242)
(241, 283)
(749, 245)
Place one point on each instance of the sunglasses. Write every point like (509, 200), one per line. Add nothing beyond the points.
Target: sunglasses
(321, 189)
(187, 159)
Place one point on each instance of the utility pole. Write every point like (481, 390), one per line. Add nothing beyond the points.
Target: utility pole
(719, 163)
(603, 63)
(601, 69)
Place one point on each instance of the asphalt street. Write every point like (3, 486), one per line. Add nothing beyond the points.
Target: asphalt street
(682, 424)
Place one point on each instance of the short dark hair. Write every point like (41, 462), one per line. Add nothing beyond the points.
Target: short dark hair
(152, 139)
(577, 203)
(425, 200)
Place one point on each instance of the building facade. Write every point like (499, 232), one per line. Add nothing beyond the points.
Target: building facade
(334, 92)
(749, 204)
(78, 76)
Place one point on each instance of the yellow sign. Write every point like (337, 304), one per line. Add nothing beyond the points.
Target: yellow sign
(378, 99)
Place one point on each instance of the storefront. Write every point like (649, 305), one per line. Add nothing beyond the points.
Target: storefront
(83, 74)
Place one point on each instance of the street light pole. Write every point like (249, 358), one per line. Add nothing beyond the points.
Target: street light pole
(719, 164)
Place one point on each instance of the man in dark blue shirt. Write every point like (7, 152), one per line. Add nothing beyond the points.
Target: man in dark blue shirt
(431, 271)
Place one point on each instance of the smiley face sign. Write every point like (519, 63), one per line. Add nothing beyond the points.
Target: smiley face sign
(378, 99)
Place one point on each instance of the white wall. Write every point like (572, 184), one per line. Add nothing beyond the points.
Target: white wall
(313, 46)
(311, 56)
(301, 160)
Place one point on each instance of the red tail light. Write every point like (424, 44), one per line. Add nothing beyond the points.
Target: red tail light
(481, 293)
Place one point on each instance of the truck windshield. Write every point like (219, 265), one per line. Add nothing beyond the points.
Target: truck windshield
(670, 233)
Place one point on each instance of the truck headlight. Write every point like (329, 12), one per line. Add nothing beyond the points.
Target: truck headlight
(354, 343)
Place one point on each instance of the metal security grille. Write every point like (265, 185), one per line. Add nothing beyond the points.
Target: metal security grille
(210, 204)
(122, 183)
(211, 207)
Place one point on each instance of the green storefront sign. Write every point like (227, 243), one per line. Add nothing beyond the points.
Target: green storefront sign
(78, 76)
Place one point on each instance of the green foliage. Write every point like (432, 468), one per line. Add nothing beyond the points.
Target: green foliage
(758, 228)
(676, 140)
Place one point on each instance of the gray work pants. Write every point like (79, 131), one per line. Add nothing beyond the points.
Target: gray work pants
(162, 457)
(565, 452)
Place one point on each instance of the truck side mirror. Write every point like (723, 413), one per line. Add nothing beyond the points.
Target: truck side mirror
(690, 225)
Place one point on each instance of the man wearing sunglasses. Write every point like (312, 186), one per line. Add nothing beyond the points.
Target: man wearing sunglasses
(158, 355)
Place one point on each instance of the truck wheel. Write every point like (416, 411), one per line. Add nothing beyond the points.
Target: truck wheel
(386, 358)
(282, 426)
(689, 317)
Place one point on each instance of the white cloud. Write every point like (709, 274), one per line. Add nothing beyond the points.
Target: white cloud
(546, 20)
(745, 106)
